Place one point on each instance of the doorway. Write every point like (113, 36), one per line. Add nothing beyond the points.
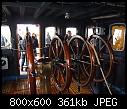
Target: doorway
(21, 31)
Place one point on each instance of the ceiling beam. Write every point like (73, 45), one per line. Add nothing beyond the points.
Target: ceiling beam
(73, 6)
(107, 11)
(50, 12)
(22, 11)
(6, 10)
(106, 16)
(41, 9)
(87, 11)
(115, 4)
(60, 13)
(18, 4)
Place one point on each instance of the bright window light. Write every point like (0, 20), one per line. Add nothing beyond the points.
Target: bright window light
(51, 31)
(33, 28)
(5, 36)
(90, 31)
(73, 30)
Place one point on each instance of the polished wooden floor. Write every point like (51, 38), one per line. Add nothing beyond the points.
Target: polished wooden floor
(43, 86)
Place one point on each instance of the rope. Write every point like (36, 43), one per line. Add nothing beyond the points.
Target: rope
(101, 69)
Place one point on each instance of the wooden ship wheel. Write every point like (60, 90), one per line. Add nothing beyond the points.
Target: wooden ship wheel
(30, 63)
(82, 58)
(61, 63)
(105, 55)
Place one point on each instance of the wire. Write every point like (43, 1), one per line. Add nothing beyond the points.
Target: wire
(101, 69)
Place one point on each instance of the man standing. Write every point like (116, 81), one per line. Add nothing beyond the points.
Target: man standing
(48, 39)
(22, 46)
(68, 36)
(35, 43)
(3, 41)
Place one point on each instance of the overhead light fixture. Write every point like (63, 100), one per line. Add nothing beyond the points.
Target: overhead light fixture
(67, 15)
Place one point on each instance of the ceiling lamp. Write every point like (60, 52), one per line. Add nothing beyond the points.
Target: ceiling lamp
(67, 15)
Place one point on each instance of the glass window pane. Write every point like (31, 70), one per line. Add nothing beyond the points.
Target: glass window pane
(90, 31)
(118, 33)
(5, 37)
(33, 28)
(49, 34)
(73, 30)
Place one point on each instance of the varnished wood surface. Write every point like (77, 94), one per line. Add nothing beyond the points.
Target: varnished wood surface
(43, 86)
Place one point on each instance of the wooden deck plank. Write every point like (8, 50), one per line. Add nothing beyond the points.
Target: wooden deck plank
(21, 86)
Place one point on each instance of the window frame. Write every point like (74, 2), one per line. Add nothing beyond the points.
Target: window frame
(9, 46)
(45, 44)
(70, 30)
(111, 36)
(98, 28)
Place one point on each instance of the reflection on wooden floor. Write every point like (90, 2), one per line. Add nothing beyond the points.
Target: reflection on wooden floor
(43, 86)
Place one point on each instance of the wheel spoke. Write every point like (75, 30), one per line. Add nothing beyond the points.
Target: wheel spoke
(63, 73)
(77, 47)
(53, 51)
(102, 47)
(57, 48)
(72, 50)
(60, 53)
(60, 57)
(61, 64)
(82, 49)
(82, 60)
(86, 70)
(104, 52)
(83, 72)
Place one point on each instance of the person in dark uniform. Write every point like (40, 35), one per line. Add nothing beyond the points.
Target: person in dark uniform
(48, 39)
(22, 46)
(47, 44)
(3, 40)
(68, 36)
(35, 43)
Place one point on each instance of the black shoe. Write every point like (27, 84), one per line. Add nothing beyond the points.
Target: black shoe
(22, 69)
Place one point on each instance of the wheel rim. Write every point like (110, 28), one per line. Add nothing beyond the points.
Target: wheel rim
(105, 55)
(60, 58)
(82, 60)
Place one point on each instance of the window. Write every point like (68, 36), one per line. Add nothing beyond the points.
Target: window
(118, 34)
(21, 30)
(33, 28)
(49, 34)
(99, 31)
(90, 32)
(5, 37)
(72, 29)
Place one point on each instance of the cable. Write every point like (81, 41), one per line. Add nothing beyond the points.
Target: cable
(101, 69)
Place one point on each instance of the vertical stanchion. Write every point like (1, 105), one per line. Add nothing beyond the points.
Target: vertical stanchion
(30, 61)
